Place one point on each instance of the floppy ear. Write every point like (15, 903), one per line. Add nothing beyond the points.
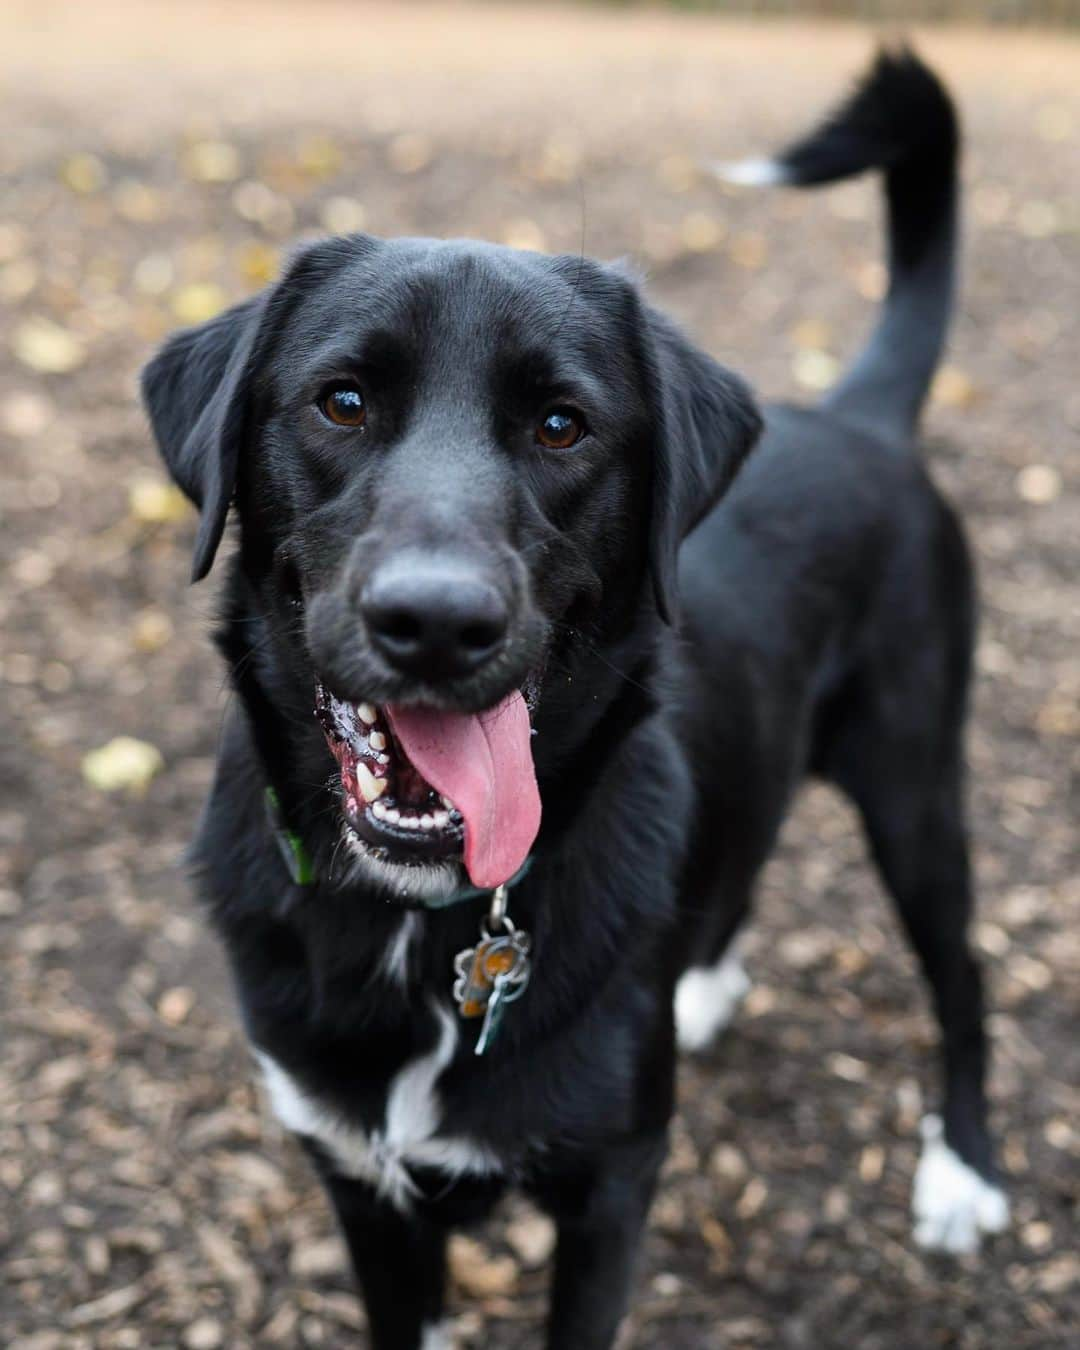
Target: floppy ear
(196, 392)
(708, 424)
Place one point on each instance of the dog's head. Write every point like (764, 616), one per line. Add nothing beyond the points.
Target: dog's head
(461, 473)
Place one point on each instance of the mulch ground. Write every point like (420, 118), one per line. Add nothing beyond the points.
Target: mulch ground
(156, 161)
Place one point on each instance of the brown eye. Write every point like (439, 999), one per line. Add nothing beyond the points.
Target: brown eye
(560, 429)
(345, 406)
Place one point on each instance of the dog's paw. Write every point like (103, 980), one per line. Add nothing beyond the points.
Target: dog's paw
(952, 1204)
(706, 999)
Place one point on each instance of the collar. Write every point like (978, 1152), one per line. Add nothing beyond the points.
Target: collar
(302, 870)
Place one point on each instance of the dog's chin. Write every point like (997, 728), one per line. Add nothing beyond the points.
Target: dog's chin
(413, 884)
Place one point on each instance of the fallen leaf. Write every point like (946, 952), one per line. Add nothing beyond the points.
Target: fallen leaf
(138, 202)
(212, 162)
(524, 233)
(25, 414)
(316, 1259)
(953, 388)
(871, 1164)
(811, 333)
(728, 1163)
(151, 630)
(123, 764)
(46, 347)
(205, 1333)
(157, 502)
(261, 205)
(154, 274)
(319, 157)
(476, 1271)
(17, 279)
(258, 262)
(752, 1199)
(701, 232)
(199, 301)
(175, 1004)
(814, 369)
(532, 1236)
(342, 215)
(1038, 484)
(83, 173)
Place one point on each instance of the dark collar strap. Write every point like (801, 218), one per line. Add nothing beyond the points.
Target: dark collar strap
(298, 860)
(475, 892)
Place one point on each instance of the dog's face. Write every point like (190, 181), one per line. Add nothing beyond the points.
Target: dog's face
(460, 471)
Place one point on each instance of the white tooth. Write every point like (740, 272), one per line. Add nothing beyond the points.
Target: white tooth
(370, 786)
(383, 759)
(377, 740)
(441, 819)
(427, 822)
(367, 713)
(410, 822)
(393, 815)
(378, 810)
(446, 801)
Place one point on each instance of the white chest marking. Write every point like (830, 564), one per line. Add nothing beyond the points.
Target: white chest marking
(436, 1336)
(953, 1206)
(413, 1112)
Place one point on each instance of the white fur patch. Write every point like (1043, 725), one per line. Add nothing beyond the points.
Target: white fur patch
(408, 1137)
(751, 172)
(706, 1000)
(407, 881)
(436, 1337)
(953, 1206)
(395, 959)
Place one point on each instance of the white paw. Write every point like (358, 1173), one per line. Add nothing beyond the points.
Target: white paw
(953, 1206)
(706, 1000)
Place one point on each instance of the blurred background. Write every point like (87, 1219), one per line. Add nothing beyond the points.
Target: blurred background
(157, 161)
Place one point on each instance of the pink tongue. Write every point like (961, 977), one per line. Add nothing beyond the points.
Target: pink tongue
(483, 763)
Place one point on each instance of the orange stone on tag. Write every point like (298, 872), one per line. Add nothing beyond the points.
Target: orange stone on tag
(484, 967)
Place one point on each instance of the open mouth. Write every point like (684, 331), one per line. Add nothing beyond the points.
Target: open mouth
(386, 801)
(419, 785)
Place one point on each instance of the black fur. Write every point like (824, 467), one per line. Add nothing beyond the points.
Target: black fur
(824, 624)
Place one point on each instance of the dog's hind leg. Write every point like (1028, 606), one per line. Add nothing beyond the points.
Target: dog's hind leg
(919, 844)
(905, 776)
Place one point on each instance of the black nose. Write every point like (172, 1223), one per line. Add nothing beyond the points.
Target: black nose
(432, 618)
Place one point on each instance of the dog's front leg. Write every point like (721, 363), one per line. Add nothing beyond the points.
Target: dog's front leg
(399, 1261)
(600, 1214)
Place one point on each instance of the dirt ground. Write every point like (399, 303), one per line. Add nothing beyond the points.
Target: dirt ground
(156, 160)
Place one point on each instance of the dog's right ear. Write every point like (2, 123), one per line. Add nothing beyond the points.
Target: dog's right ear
(196, 393)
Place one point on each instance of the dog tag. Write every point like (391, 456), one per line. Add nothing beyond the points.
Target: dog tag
(490, 976)
(496, 1006)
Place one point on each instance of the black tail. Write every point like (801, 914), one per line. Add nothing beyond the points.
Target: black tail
(901, 120)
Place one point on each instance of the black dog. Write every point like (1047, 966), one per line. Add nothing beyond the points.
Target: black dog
(477, 492)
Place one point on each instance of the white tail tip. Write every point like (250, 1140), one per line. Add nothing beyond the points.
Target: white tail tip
(751, 172)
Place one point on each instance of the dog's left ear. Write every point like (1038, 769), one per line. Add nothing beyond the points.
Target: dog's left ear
(709, 422)
(195, 391)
